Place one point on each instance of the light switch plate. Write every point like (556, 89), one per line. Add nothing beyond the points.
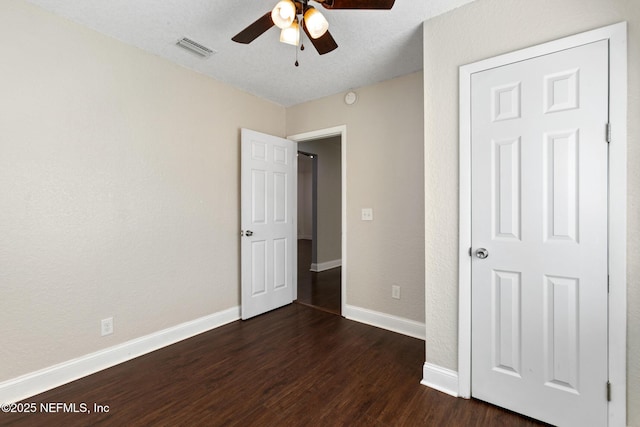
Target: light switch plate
(395, 291)
(367, 214)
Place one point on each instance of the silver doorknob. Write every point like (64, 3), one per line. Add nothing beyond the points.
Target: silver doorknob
(248, 233)
(482, 253)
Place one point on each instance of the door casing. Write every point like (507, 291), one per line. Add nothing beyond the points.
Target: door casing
(325, 133)
(617, 37)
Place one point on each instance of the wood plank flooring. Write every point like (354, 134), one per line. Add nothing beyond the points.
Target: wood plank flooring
(295, 366)
(320, 290)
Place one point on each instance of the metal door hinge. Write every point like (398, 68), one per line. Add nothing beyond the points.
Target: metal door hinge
(608, 284)
(608, 132)
(608, 391)
(470, 252)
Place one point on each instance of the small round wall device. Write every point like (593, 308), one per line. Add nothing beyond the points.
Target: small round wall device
(350, 98)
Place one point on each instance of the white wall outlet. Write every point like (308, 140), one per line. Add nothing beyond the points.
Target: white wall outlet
(395, 291)
(106, 326)
(367, 214)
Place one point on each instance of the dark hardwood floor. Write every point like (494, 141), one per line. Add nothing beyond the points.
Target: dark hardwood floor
(319, 290)
(295, 366)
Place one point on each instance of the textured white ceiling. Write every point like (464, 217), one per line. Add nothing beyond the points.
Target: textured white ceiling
(374, 45)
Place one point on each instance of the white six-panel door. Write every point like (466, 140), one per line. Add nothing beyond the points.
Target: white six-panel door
(268, 244)
(539, 209)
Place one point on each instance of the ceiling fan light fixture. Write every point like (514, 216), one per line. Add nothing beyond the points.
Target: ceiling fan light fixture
(284, 14)
(316, 23)
(291, 34)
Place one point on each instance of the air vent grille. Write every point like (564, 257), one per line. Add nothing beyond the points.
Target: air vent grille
(195, 47)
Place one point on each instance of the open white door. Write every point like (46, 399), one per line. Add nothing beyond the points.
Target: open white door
(539, 236)
(268, 207)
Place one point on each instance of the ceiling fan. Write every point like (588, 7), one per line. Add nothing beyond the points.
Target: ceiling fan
(285, 16)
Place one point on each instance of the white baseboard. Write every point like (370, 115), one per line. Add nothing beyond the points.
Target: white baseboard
(439, 378)
(385, 321)
(322, 266)
(45, 379)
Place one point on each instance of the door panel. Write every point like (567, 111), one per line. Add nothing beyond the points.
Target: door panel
(561, 185)
(561, 317)
(268, 174)
(539, 207)
(258, 267)
(506, 322)
(506, 176)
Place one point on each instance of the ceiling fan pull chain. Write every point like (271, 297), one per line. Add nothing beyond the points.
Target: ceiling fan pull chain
(301, 42)
(302, 34)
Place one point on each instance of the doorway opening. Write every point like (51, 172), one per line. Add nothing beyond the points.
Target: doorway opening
(319, 225)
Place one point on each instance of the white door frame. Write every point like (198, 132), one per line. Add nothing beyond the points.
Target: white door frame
(617, 36)
(325, 133)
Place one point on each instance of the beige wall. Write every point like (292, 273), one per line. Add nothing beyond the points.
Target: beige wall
(329, 188)
(120, 182)
(480, 30)
(384, 172)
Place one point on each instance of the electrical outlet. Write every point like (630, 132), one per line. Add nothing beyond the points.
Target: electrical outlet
(395, 291)
(106, 326)
(367, 214)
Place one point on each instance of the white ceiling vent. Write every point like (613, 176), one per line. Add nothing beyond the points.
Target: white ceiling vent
(195, 47)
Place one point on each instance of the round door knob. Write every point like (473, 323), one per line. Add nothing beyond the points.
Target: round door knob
(482, 253)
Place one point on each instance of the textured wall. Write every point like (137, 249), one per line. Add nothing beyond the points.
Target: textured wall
(480, 30)
(329, 211)
(119, 178)
(384, 172)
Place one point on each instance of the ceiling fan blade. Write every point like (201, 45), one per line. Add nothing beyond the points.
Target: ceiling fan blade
(323, 44)
(357, 4)
(254, 30)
